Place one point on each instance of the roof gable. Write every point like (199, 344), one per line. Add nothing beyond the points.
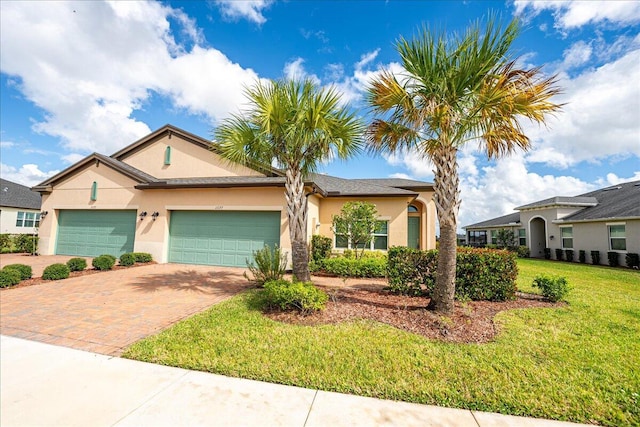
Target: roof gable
(617, 201)
(18, 196)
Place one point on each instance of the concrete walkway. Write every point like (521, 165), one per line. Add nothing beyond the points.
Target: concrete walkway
(42, 384)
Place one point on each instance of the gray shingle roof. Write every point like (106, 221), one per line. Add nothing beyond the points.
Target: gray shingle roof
(561, 201)
(618, 201)
(216, 182)
(506, 220)
(407, 184)
(18, 196)
(336, 187)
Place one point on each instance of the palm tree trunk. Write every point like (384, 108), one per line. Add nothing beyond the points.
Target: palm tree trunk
(447, 203)
(297, 215)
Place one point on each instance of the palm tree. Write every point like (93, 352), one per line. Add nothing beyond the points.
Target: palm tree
(298, 125)
(454, 90)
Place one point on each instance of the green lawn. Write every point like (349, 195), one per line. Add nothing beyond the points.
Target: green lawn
(579, 362)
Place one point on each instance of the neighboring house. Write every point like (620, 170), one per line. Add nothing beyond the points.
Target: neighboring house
(172, 195)
(19, 208)
(603, 220)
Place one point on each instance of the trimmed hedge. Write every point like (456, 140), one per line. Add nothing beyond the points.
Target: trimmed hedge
(614, 260)
(127, 259)
(559, 254)
(354, 267)
(554, 288)
(632, 260)
(77, 264)
(582, 256)
(9, 277)
(320, 248)
(568, 254)
(56, 272)
(300, 296)
(481, 274)
(595, 257)
(104, 262)
(11, 243)
(142, 256)
(547, 253)
(25, 271)
(523, 251)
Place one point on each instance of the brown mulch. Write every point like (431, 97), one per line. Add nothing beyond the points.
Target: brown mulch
(86, 272)
(471, 322)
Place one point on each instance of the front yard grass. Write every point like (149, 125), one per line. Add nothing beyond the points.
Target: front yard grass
(577, 362)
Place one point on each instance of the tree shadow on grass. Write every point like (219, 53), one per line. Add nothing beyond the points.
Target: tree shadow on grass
(210, 283)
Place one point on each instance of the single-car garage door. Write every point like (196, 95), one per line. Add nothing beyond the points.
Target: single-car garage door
(93, 233)
(226, 238)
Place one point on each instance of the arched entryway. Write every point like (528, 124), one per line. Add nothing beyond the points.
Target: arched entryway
(537, 236)
(413, 222)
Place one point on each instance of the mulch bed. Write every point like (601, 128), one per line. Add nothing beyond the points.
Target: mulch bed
(88, 271)
(471, 322)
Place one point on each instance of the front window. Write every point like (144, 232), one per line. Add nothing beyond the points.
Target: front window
(477, 238)
(617, 238)
(522, 237)
(28, 219)
(494, 237)
(20, 219)
(567, 237)
(379, 242)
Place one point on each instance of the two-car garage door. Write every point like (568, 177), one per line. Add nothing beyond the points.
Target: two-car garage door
(226, 238)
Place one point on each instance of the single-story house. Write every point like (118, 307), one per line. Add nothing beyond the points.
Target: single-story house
(19, 208)
(604, 220)
(172, 195)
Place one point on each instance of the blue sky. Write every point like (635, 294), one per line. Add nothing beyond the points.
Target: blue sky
(80, 77)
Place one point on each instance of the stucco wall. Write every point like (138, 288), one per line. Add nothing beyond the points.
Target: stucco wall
(187, 161)
(8, 217)
(594, 236)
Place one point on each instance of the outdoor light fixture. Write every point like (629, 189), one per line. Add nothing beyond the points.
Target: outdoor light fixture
(551, 237)
(43, 214)
(142, 215)
(155, 215)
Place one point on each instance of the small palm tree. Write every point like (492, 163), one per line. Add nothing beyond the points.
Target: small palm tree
(298, 125)
(456, 90)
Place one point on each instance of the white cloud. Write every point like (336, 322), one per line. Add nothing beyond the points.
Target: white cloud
(72, 158)
(400, 175)
(577, 55)
(613, 179)
(295, 70)
(7, 144)
(600, 118)
(90, 65)
(28, 174)
(572, 14)
(250, 10)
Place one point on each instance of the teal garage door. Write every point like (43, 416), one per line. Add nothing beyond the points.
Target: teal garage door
(226, 238)
(93, 233)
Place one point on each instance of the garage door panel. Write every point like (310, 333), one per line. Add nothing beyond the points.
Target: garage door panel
(93, 233)
(223, 238)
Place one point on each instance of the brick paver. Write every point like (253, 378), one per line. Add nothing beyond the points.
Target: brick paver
(108, 311)
(37, 263)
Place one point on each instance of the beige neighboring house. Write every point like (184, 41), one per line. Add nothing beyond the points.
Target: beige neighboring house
(172, 195)
(19, 209)
(605, 220)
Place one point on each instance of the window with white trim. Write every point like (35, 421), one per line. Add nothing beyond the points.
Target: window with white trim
(28, 219)
(522, 237)
(617, 237)
(380, 239)
(567, 237)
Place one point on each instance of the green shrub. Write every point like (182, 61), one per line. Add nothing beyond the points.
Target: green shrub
(320, 248)
(355, 267)
(554, 288)
(547, 253)
(5, 242)
(127, 259)
(56, 272)
(523, 251)
(142, 256)
(301, 296)
(632, 260)
(613, 259)
(9, 277)
(26, 243)
(481, 274)
(270, 264)
(568, 254)
(374, 255)
(559, 254)
(104, 262)
(595, 257)
(77, 264)
(582, 256)
(25, 271)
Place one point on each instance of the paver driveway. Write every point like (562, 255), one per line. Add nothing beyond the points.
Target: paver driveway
(37, 263)
(108, 311)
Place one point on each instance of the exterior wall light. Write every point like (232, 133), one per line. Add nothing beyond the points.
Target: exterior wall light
(155, 215)
(142, 215)
(43, 214)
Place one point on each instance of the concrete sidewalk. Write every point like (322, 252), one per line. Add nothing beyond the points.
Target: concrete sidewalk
(42, 384)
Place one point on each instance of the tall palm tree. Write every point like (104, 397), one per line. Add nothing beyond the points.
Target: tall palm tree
(453, 90)
(298, 125)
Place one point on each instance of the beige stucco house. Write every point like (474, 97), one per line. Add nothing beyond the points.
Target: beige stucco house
(19, 209)
(605, 220)
(170, 194)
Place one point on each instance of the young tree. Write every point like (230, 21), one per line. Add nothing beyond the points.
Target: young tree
(506, 238)
(357, 221)
(298, 125)
(456, 89)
